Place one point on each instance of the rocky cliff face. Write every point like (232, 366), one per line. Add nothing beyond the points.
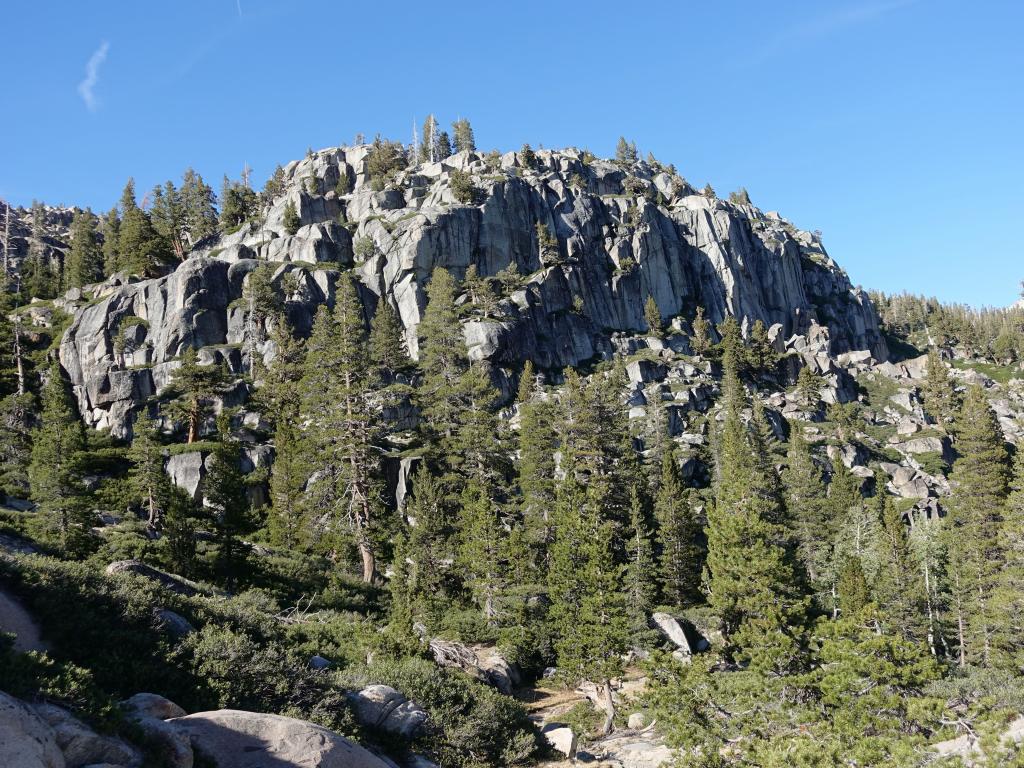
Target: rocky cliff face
(615, 238)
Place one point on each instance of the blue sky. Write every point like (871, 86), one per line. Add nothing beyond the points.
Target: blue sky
(894, 126)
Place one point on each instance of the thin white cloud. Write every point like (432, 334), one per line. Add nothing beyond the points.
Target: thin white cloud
(826, 24)
(239, 4)
(87, 88)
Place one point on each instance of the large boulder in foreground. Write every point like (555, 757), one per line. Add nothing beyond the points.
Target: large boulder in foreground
(26, 740)
(234, 739)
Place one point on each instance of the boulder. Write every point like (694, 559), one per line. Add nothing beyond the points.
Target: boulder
(149, 712)
(672, 630)
(235, 739)
(174, 624)
(637, 721)
(152, 705)
(381, 706)
(81, 745)
(26, 740)
(561, 738)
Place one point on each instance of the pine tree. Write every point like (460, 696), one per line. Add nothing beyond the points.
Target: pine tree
(178, 528)
(979, 484)
(897, 589)
(808, 387)
(443, 361)
(700, 339)
(536, 467)
(199, 212)
(291, 219)
(287, 521)
(196, 385)
(227, 502)
(111, 237)
(428, 147)
(852, 592)
(641, 575)
(238, 204)
(141, 249)
(652, 316)
(168, 217)
(274, 186)
(751, 582)
(85, 259)
(588, 604)
(481, 549)
(429, 548)
(941, 400)
(344, 430)
(679, 556)
(444, 145)
(761, 355)
(1009, 598)
(387, 339)
(55, 472)
(805, 504)
(147, 472)
(626, 153)
(17, 414)
(463, 133)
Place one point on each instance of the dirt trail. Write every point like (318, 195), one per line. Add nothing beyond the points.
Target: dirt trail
(14, 618)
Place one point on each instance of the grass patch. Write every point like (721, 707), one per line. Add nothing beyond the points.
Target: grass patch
(1000, 374)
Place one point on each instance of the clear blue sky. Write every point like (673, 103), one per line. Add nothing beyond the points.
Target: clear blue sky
(894, 126)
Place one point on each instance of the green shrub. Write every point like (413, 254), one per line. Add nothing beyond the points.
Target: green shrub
(470, 725)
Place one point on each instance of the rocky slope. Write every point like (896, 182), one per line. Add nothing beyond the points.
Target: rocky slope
(618, 238)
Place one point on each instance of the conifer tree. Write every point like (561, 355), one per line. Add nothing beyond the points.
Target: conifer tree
(805, 505)
(979, 484)
(198, 204)
(463, 133)
(168, 217)
(481, 549)
(288, 521)
(641, 575)
(85, 259)
(941, 400)
(700, 339)
(227, 502)
(55, 472)
(429, 548)
(751, 582)
(761, 356)
(588, 604)
(147, 472)
(178, 527)
(536, 468)
(140, 248)
(1009, 597)
(679, 556)
(343, 429)
(897, 589)
(444, 145)
(626, 153)
(387, 340)
(852, 592)
(291, 219)
(196, 385)
(428, 146)
(17, 414)
(111, 236)
(652, 316)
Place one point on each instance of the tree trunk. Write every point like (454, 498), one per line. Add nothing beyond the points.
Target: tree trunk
(606, 703)
(369, 562)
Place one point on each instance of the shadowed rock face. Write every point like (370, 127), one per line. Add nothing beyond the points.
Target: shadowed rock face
(610, 249)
